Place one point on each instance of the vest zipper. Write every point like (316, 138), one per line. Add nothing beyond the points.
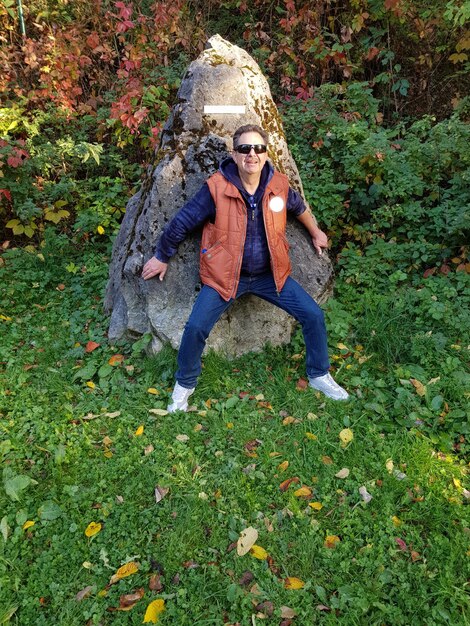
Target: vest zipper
(269, 247)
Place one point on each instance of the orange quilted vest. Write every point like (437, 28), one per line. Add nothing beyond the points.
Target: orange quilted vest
(223, 241)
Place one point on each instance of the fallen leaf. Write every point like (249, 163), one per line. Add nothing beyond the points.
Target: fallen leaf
(341, 346)
(84, 593)
(90, 384)
(160, 412)
(311, 436)
(125, 570)
(343, 473)
(28, 524)
(284, 486)
(401, 544)
(246, 578)
(92, 529)
(327, 460)
(160, 493)
(265, 608)
(153, 611)
(420, 388)
(153, 391)
(316, 506)
(301, 384)
(389, 466)
(116, 359)
(396, 521)
(283, 466)
(331, 541)
(365, 495)
(252, 445)
(148, 449)
(290, 420)
(457, 483)
(107, 441)
(198, 428)
(182, 438)
(139, 431)
(346, 436)
(128, 600)
(415, 556)
(246, 540)
(286, 611)
(190, 565)
(258, 552)
(155, 584)
(303, 492)
(322, 607)
(293, 583)
(91, 345)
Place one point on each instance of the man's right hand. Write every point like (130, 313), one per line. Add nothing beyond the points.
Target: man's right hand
(154, 267)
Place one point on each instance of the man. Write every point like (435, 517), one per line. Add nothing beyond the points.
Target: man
(244, 250)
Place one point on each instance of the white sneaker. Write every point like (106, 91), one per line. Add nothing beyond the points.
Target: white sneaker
(179, 399)
(329, 387)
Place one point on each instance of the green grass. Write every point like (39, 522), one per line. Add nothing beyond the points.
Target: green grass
(74, 449)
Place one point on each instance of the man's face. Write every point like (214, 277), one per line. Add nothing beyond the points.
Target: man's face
(251, 163)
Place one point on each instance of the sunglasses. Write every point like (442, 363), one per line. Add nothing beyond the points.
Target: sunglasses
(245, 148)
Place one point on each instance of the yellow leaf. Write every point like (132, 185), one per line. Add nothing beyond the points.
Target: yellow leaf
(331, 541)
(457, 483)
(93, 528)
(389, 465)
(341, 346)
(293, 583)
(90, 384)
(153, 391)
(258, 552)
(126, 570)
(153, 611)
(302, 492)
(198, 428)
(396, 521)
(316, 506)
(283, 466)
(139, 431)
(458, 57)
(311, 436)
(28, 524)
(100, 230)
(229, 425)
(346, 436)
(107, 453)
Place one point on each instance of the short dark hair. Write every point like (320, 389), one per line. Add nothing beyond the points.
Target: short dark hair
(250, 128)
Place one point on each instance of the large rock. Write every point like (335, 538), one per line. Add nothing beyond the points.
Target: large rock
(192, 145)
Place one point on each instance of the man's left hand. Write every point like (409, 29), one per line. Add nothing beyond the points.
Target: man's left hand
(320, 241)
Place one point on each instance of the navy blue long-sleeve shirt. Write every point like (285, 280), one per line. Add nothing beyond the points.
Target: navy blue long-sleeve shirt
(201, 208)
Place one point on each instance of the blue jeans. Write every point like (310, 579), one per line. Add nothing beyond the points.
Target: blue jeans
(209, 307)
